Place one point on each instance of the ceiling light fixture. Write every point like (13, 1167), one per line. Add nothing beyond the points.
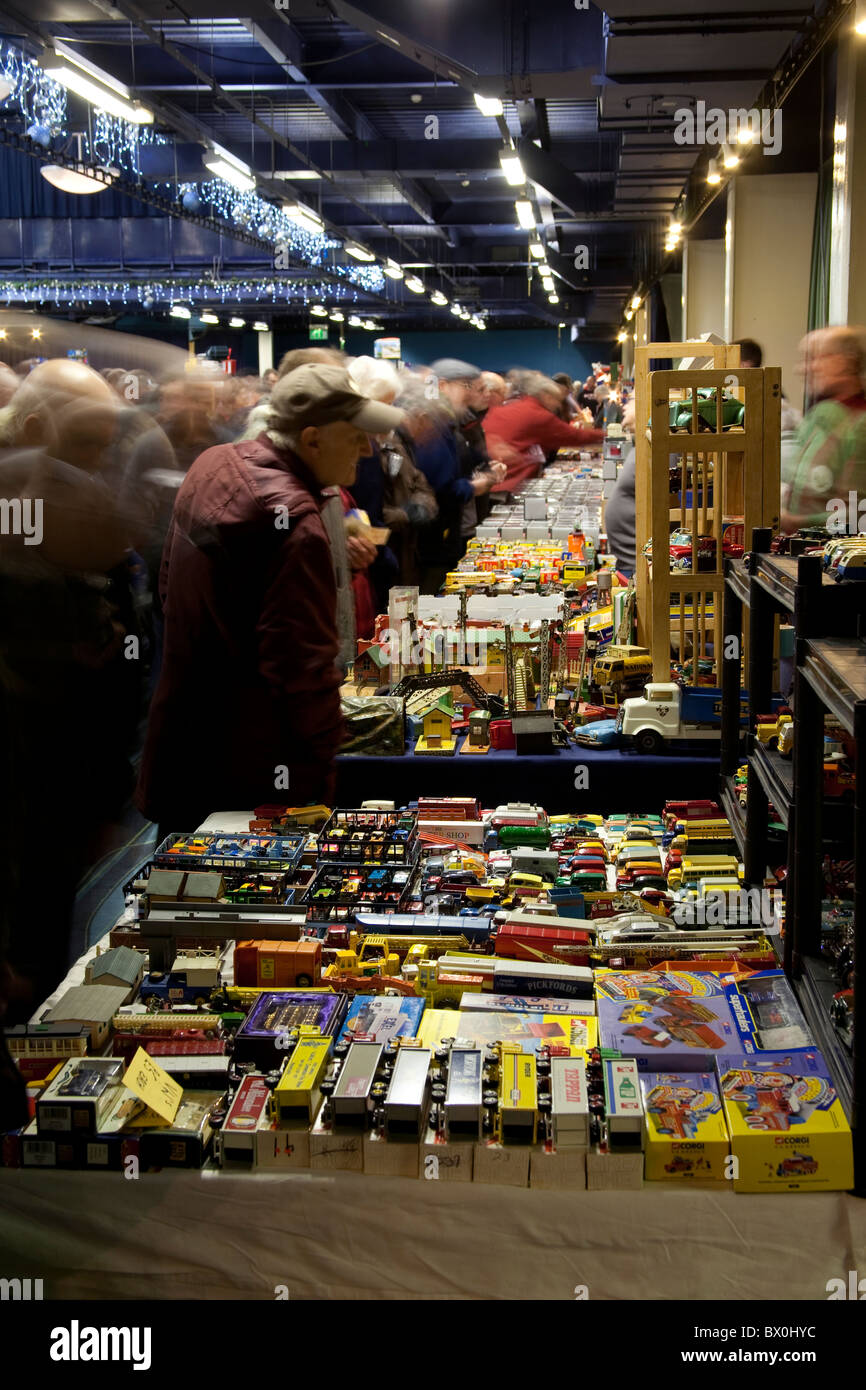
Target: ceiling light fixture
(294, 175)
(553, 299)
(337, 316)
(237, 323)
(102, 90)
(525, 213)
(488, 106)
(319, 311)
(536, 249)
(224, 165)
(355, 322)
(438, 297)
(208, 317)
(621, 337)
(730, 158)
(304, 217)
(456, 309)
(36, 333)
(636, 301)
(629, 315)
(393, 270)
(77, 178)
(179, 311)
(414, 284)
(360, 253)
(260, 326)
(512, 167)
(370, 325)
(713, 173)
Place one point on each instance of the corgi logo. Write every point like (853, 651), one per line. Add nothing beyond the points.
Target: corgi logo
(77, 1343)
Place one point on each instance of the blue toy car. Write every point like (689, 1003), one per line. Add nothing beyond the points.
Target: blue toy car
(601, 733)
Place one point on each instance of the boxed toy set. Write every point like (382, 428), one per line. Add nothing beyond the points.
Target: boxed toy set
(673, 1019)
(788, 1130)
(686, 1135)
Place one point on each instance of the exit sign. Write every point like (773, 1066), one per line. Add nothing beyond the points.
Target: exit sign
(318, 333)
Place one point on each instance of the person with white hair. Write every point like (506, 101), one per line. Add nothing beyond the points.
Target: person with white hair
(526, 428)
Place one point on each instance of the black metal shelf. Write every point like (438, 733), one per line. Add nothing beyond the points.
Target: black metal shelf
(836, 670)
(829, 621)
(776, 776)
(734, 812)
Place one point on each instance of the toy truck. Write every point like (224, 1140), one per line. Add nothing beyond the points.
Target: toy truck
(666, 713)
(191, 980)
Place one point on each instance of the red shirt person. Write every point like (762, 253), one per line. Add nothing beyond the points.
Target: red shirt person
(248, 701)
(524, 430)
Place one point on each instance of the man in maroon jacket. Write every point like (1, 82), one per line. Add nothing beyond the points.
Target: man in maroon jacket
(247, 709)
(524, 430)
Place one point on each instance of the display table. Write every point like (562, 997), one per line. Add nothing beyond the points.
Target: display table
(615, 779)
(343, 1235)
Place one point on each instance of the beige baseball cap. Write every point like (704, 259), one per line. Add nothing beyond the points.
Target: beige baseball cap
(319, 394)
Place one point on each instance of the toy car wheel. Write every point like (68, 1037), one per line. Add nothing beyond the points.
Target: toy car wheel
(489, 1098)
(303, 981)
(648, 741)
(544, 1102)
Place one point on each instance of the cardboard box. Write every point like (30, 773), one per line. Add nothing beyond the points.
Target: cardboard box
(279, 1148)
(335, 1150)
(607, 1172)
(79, 1098)
(686, 1135)
(767, 1015)
(558, 1170)
(501, 1165)
(379, 1018)
(788, 1130)
(446, 1160)
(664, 1019)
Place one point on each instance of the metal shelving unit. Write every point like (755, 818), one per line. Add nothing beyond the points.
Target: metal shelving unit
(830, 674)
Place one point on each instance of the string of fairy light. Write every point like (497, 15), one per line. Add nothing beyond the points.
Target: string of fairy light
(116, 144)
(149, 293)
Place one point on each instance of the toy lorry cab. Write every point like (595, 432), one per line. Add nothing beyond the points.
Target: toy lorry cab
(666, 713)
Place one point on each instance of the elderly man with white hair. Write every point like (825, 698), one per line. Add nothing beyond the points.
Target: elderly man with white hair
(525, 429)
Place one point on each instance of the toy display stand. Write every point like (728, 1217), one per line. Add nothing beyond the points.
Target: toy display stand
(830, 674)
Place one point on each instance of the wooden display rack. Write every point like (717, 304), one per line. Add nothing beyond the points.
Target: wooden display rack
(740, 465)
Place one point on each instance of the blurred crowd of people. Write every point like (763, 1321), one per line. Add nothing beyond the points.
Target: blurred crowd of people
(151, 584)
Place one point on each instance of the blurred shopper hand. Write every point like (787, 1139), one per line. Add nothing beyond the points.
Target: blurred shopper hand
(361, 552)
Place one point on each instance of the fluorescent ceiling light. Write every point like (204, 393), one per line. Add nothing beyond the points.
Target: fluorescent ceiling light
(512, 168)
(179, 311)
(456, 309)
(465, 314)
(414, 284)
(536, 249)
(260, 326)
(318, 311)
(525, 214)
(369, 325)
(207, 317)
(304, 217)
(675, 229)
(438, 297)
(635, 301)
(337, 316)
(221, 169)
(394, 270)
(99, 88)
(561, 324)
(713, 174)
(77, 179)
(36, 333)
(745, 135)
(360, 253)
(553, 299)
(481, 324)
(237, 323)
(488, 106)
(383, 35)
(355, 322)
(730, 158)
(293, 175)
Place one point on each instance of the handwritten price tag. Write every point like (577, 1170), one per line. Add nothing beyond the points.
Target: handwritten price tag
(147, 1080)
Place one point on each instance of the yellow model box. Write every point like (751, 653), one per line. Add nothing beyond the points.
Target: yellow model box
(686, 1135)
(788, 1130)
(296, 1095)
(529, 1031)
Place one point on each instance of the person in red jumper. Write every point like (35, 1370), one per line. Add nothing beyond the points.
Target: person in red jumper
(248, 702)
(524, 430)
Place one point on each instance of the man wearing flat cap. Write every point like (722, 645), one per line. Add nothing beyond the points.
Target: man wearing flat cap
(247, 709)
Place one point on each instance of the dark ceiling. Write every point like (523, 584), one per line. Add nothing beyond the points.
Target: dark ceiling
(378, 99)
